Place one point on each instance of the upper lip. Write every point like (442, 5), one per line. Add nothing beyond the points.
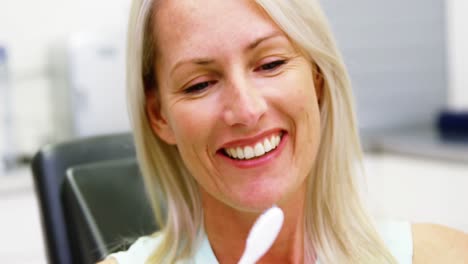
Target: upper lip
(250, 140)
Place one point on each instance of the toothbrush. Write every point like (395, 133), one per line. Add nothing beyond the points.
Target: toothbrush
(262, 235)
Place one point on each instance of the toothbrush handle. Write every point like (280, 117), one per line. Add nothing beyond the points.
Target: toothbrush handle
(245, 260)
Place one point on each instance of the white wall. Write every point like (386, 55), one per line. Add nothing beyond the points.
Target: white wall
(417, 190)
(28, 29)
(395, 52)
(458, 53)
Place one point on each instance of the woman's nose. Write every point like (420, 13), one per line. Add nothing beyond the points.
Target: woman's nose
(244, 104)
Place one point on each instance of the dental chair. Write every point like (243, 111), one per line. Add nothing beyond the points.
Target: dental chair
(105, 207)
(91, 198)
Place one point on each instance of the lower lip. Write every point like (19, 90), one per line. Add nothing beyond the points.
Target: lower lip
(257, 162)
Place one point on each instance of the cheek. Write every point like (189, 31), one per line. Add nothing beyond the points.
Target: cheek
(301, 99)
(304, 110)
(190, 142)
(191, 123)
(310, 113)
(187, 128)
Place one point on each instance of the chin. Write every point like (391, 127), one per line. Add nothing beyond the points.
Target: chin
(256, 199)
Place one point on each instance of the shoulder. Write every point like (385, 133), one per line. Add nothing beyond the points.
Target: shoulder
(439, 244)
(138, 252)
(108, 261)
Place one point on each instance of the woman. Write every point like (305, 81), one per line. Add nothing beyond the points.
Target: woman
(238, 105)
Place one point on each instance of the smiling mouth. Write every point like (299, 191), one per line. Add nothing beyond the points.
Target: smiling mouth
(257, 150)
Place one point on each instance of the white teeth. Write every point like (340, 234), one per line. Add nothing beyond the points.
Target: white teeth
(260, 149)
(248, 153)
(267, 145)
(240, 153)
(232, 152)
(277, 140)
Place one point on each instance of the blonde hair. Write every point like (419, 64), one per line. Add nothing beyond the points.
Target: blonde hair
(336, 225)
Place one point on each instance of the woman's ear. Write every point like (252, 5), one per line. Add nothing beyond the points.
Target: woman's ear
(318, 82)
(157, 118)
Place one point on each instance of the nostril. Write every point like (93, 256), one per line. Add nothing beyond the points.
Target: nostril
(244, 114)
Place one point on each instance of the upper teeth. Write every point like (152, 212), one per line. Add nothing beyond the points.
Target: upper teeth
(257, 150)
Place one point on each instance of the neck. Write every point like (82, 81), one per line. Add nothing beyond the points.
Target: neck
(227, 230)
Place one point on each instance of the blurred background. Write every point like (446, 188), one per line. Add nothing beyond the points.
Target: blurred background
(62, 67)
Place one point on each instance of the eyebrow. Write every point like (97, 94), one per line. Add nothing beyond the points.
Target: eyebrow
(259, 40)
(207, 61)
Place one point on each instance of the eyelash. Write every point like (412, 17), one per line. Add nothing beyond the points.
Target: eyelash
(199, 87)
(271, 65)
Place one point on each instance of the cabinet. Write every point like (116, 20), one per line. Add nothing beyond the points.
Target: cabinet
(417, 189)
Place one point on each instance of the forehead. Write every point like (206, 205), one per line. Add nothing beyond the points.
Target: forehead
(185, 27)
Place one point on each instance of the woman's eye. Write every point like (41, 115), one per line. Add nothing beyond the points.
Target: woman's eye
(271, 65)
(199, 87)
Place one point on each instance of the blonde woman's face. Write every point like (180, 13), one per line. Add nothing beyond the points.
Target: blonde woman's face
(237, 99)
